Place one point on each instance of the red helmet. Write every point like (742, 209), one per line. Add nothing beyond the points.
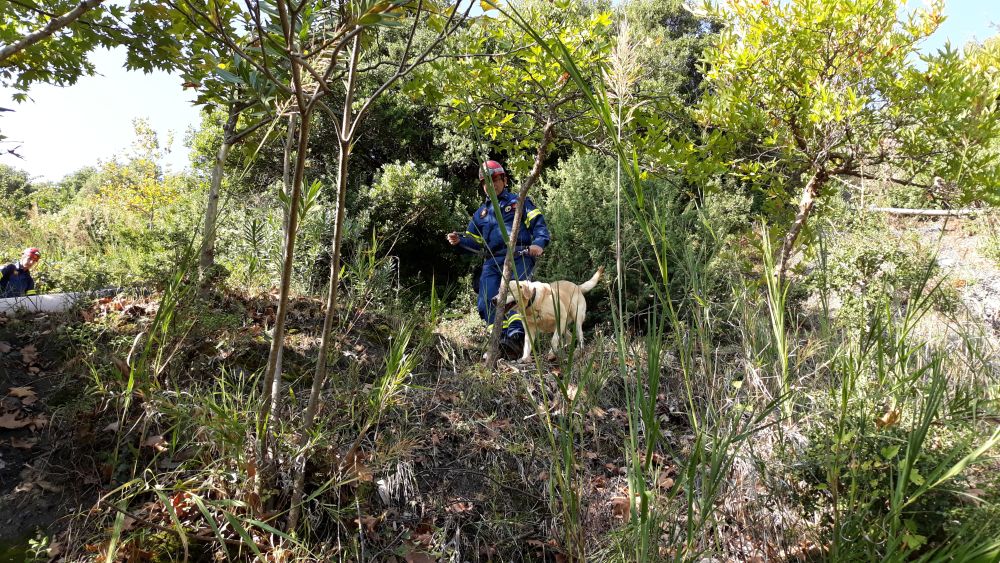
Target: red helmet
(494, 167)
(33, 252)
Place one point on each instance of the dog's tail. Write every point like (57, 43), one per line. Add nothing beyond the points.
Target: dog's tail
(592, 282)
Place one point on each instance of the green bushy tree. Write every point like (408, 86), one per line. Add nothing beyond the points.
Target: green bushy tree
(827, 89)
(15, 189)
(408, 206)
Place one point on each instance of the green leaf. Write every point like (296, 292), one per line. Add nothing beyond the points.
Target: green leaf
(228, 76)
(889, 452)
(914, 541)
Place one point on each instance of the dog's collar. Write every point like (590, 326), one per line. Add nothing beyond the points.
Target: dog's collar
(534, 292)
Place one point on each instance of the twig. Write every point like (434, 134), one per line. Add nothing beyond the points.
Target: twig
(927, 212)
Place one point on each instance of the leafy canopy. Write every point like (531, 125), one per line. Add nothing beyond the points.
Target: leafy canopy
(502, 101)
(839, 88)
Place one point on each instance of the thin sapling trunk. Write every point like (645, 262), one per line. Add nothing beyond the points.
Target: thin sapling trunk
(346, 126)
(207, 259)
(548, 135)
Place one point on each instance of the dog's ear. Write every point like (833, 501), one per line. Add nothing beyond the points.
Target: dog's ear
(527, 290)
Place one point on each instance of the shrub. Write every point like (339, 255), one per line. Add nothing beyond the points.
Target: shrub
(578, 199)
(408, 207)
(15, 190)
(991, 240)
(867, 265)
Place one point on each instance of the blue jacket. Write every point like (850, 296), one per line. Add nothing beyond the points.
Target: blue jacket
(15, 281)
(484, 232)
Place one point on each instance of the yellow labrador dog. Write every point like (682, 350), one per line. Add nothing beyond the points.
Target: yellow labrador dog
(550, 307)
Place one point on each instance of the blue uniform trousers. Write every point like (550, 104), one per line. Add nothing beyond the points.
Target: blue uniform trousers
(489, 286)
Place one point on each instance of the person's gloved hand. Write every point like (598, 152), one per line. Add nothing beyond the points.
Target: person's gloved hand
(535, 251)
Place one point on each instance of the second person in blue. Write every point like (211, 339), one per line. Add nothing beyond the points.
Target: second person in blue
(484, 236)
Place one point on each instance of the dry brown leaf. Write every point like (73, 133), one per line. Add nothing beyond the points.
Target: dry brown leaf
(571, 391)
(20, 392)
(424, 537)
(121, 366)
(369, 523)
(459, 507)
(49, 487)
(157, 442)
(182, 504)
(664, 482)
(413, 555)
(39, 422)
(889, 419)
(29, 354)
(55, 549)
(4, 347)
(22, 443)
(620, 508)
(9, 421)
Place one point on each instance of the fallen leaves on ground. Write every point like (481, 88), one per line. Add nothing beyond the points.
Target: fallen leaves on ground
(22, 443)
(157, 442)
(889, 419)
(411, 554)
(664, 481)
(368, 523)
(25, 394)
(620, 507)
(29, 354)
(38, 422)
(459, 507)
(9, 421)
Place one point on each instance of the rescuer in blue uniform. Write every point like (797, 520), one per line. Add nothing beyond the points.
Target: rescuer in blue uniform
(15, 278)
(484, 236)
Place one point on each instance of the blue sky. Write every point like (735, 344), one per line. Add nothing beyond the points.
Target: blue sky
(63, 129)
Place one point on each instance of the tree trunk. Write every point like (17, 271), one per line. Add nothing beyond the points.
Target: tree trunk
(212, 207)
(271, 386)
(809, 194)
(548, 135)
(286, 184)
(319, 378)
(46, 32)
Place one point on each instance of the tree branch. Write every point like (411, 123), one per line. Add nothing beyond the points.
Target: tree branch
(46, 32)
(548, 137)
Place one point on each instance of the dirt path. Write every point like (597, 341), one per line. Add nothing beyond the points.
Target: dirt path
(39, 477)
(976, 277)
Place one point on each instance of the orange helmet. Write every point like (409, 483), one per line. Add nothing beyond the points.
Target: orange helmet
(494, 168)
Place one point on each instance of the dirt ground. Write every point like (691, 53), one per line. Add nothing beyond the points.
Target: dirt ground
(43, 474)
(975, 276)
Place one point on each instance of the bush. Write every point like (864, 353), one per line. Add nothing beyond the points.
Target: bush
(408, 207)
(867, 266)
(578, 199)
(991, 239)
